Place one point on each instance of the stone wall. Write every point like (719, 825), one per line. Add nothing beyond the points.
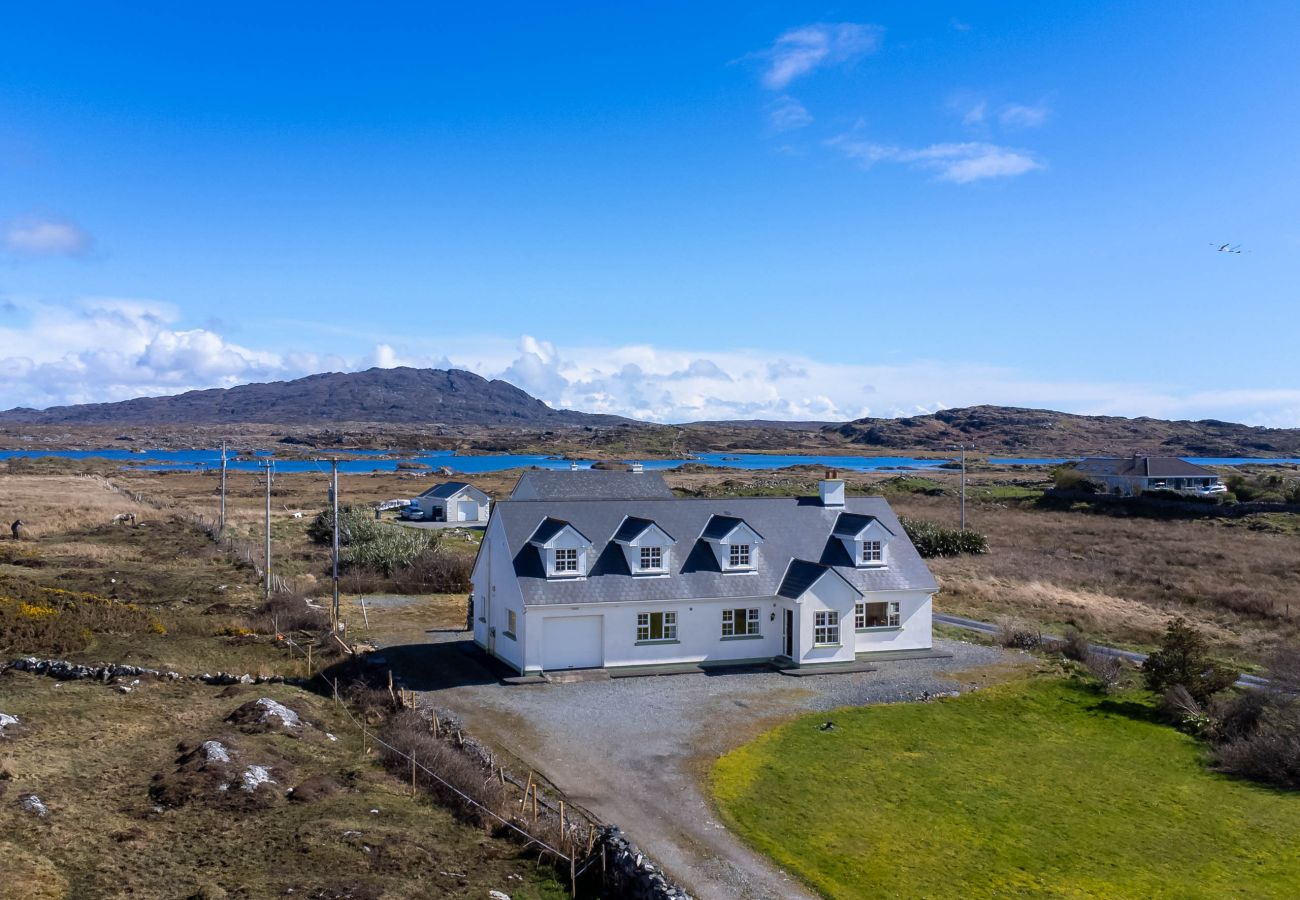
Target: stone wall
(631, 874)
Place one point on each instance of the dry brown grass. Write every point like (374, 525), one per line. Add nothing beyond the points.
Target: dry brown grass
(1122, 578)
(53, 504)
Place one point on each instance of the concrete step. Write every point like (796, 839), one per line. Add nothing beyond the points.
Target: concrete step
(576, 676)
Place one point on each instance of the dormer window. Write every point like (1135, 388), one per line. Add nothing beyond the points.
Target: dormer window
(565, 551)
(734, 543)
(865, 539)
(652, 559)
(566, 561)
(646, 547)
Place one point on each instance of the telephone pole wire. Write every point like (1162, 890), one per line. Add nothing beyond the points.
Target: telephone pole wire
(268, 464)
(221, 529)
(334, 503)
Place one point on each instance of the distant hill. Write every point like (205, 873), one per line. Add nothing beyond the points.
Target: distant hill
(1003, 430)
(401, 395)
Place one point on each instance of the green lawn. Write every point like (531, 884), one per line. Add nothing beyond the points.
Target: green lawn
(1037, 788)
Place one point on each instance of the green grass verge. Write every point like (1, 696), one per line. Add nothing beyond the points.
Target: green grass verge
(1038, 787)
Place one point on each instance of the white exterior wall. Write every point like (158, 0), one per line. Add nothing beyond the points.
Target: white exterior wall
(699, 632)
(915, 614)
(496, 590)
(830, 594)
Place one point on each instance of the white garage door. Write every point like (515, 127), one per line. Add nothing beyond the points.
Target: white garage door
(468, 511)
(574, 642)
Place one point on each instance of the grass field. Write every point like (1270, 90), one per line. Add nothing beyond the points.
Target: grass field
(91, 754)
(1037, 787)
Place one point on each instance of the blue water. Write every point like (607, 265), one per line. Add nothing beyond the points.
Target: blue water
(384, 461)
(1198, 460)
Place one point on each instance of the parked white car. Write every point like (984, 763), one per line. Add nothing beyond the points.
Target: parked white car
(1210, 490)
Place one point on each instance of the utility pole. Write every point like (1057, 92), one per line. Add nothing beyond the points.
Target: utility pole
(963, 487)
(334, 503)
(267, 467)
(221, 530)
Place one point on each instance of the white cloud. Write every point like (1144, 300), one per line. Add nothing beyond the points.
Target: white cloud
(960, 163)
(104, 349)
(44, 236)
(1017, 115)
(800, 51)
(787, 114)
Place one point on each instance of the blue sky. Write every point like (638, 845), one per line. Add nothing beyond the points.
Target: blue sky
(664, 210)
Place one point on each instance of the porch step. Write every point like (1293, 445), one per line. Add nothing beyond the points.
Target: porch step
(576, 676)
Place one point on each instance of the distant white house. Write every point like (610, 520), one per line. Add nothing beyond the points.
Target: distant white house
(584, 578)
(454, 501)
(1131, 475)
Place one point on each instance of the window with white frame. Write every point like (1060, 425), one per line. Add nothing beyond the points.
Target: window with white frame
(510, 623)
(652, 559)
(872, 552)
(740, 622)
(876, 615)
(738, 556)
(656, 626)
(566, 561)
(826, 628)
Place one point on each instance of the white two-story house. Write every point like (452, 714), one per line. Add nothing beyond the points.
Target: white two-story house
(568, 582)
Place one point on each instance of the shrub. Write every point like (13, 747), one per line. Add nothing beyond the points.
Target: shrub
(933, 540)
(1017, 635)
(1074, 645)
(1108, 670)
(1182, 660)
(1270, 753)
(1067, 478)
(356, 523)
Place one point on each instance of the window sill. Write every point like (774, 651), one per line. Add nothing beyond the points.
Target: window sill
(871, 628)
(565, 576)
(658, 641)
(741, 637)
(650, 573)
(749, 571)
(836, 644)
(509, 634)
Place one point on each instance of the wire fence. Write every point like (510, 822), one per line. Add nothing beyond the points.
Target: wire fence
(577, 866)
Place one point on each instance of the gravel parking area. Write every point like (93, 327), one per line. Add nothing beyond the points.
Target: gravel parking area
(637, 751)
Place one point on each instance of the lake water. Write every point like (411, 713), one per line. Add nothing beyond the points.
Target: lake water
(383, 461)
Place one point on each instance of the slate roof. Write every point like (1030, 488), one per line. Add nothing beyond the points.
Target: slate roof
(850, 525)
(548, 529)
(633, 527)
(793, 529)
(446, 491)
(799, 577)
(590, 484)
(1143, 467)
(721, 526)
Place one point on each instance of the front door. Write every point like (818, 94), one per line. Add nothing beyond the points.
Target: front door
(787, 633)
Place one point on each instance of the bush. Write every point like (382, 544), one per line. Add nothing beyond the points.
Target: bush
(1270, 753)
(1074, 645)
(356, 523)
(1108, 670)
(1017, 635)
(1182, 660)
(1067, 478)
(933, 540)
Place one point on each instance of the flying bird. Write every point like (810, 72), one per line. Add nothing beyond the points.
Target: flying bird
(1227, 248)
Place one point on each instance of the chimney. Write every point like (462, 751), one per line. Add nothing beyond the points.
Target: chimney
(831, 489)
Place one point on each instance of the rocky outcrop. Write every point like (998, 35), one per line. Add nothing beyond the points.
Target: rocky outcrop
(631, 874)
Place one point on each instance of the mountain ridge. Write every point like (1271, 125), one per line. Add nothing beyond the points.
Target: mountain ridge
(399, 395)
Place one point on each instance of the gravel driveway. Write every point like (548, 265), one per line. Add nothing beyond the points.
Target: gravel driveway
(637, 751)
